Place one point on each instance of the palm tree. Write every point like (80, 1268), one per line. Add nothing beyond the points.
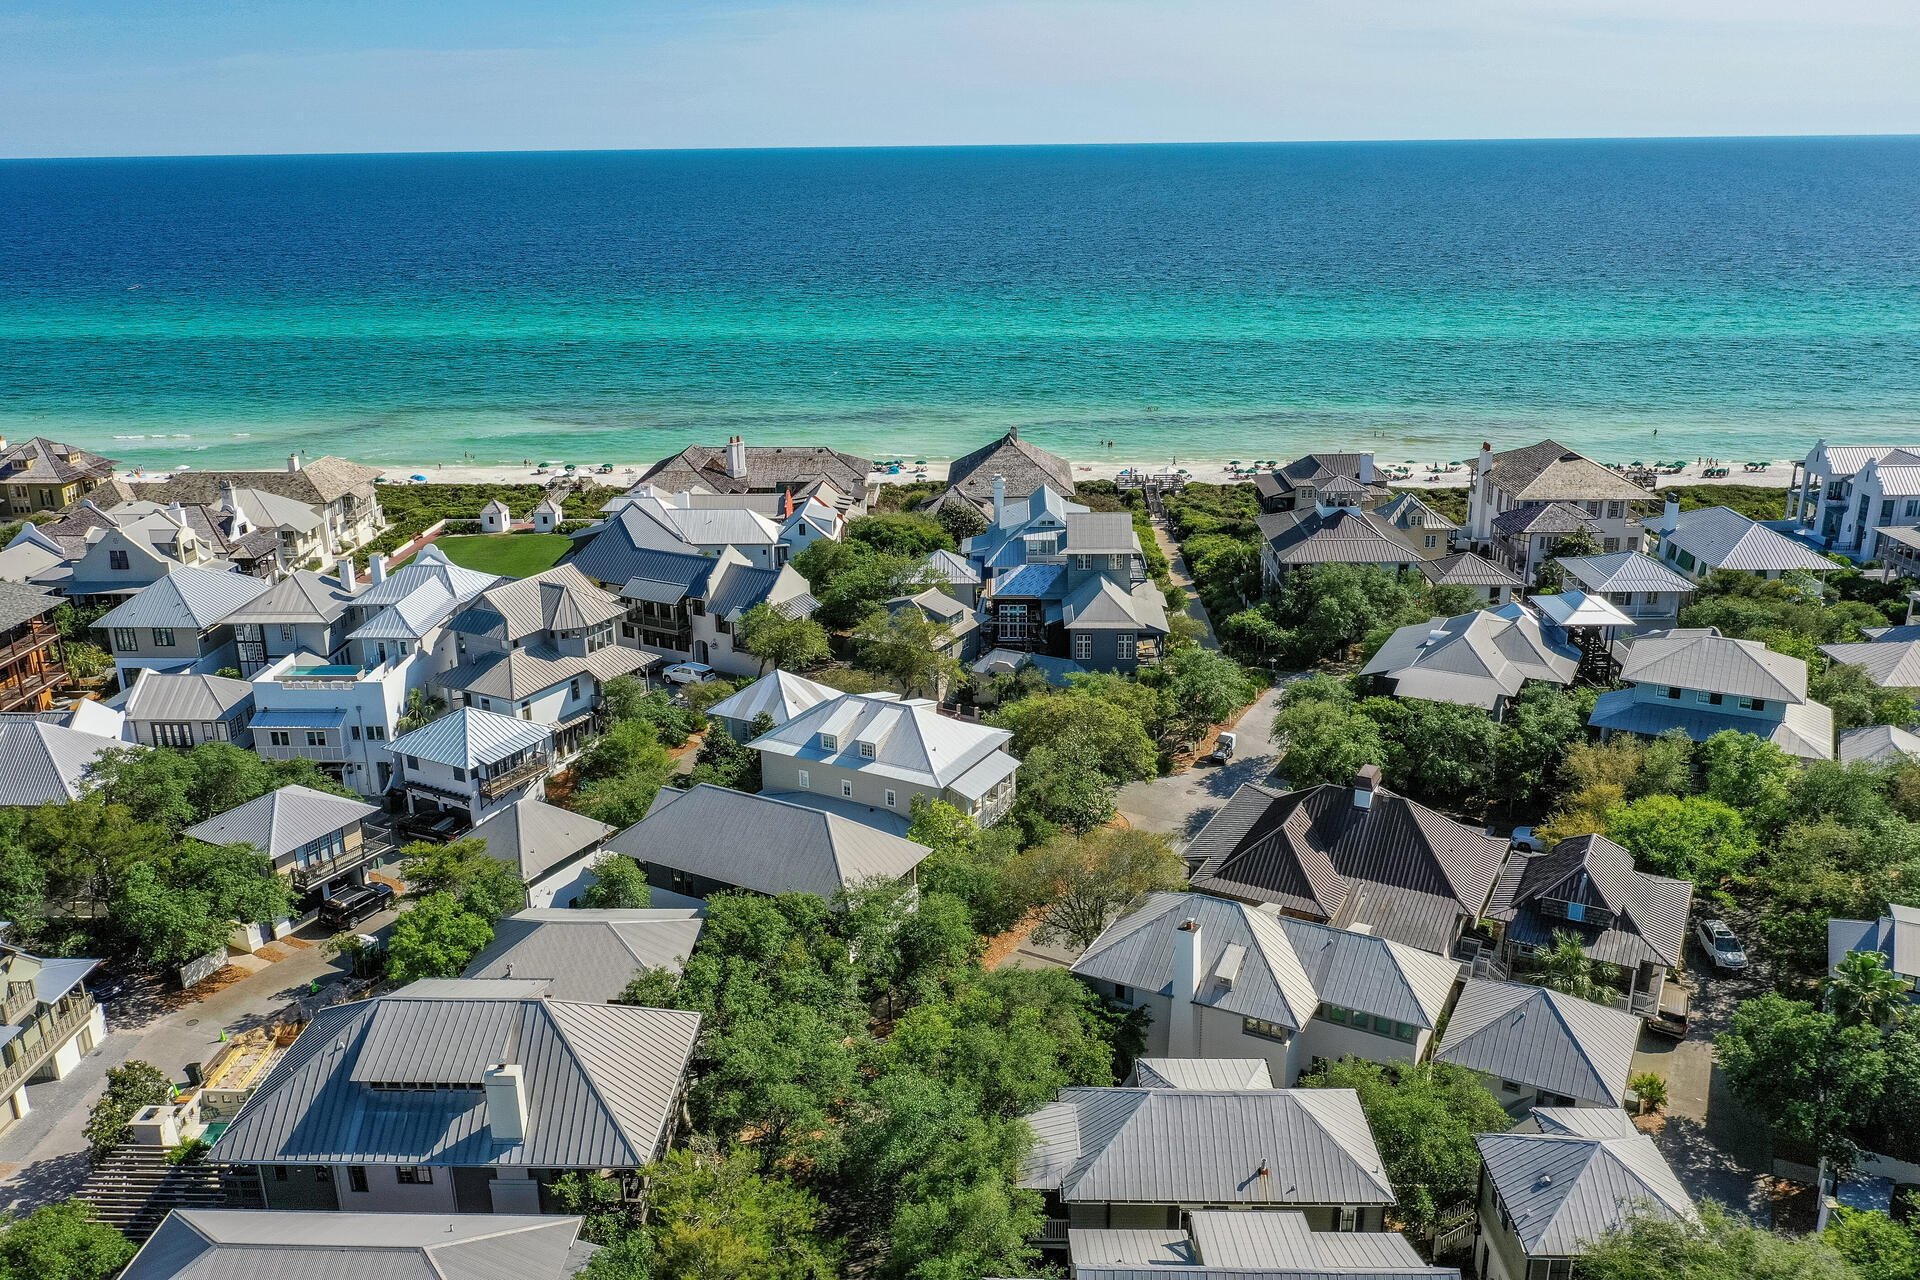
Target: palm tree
(1567, 970)
(421, 708)
(1864, 992)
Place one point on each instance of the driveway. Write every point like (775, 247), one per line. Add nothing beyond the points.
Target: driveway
(43, 1157)
(1181, 803)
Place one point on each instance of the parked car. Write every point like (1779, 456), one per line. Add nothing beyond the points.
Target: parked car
(350, 906)
(1222, 749)
(1671, 1018)
(440, 828)
(688, 673)
(1719, 942)
(1524, 838)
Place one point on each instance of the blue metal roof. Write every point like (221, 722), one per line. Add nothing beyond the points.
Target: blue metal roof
(1042, 581)
(318, 718)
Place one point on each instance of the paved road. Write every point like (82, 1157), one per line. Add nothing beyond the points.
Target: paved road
(43, 1157)
(1181, 803)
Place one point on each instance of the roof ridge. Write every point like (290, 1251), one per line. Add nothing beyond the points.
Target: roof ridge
(559, 1029)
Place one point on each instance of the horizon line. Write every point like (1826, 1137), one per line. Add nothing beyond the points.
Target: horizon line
(969, 146)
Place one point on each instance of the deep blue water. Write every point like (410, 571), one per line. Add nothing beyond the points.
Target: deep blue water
(1743, 296)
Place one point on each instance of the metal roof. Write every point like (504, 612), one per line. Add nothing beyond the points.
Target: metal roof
(1542, 1038)
(1725, 539)
(1099, 604)
(911, 741)
(429, 566)
(760, 843)
(163, 695)
(1101, 533)
(1475, 659)
(1702, 658)
(1374, 975)
(1562, 1190)
(1570, 609)
(310, 718)
(468, 737)
(601, 1083)
(1206, 1146)
(1201, 1073)
(536, 836)
(1464, 568)
(1895, 936)
(301, 596)
(1649, 912)
(188, 598)
(953, 569)
(44, 763)
(1891, 665)
(587, 955)
(1285, 1241)
(1806, 732)
(1343, 536)
(1403, 506)
(251, 1244)
(780, 695)
(281, 821)
(1625, 571)
(1040, 581)
(1877, 742)
(411, 616)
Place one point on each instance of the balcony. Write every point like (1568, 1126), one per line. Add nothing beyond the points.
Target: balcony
(300, 751)
(535, 766)
(318, 873)
(35, 635)
(44, 1033)
(1053, 1235)
(29, 686)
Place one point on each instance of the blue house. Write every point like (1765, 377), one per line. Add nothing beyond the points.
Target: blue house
(1699, 681)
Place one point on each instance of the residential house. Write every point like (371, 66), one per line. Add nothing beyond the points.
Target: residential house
(805, 521)
(1819, 495)
(33, 665)
(110, 562)
(1895, 936)
(847, 481)
(1022, 531)
(1542, 475)
(778, 695)
(1561, 1179)
(48, 1023)
(673, 523)
(301, 613)
(201, 1244)
(1889, 664)
(1525, 537)
(588, 955)
(178, 623)
(541, 648)
(1698, 681)
(1117, 1158)
(1419, 522)
(1229, 1245)
(547, 517)
(1303, 483)
(1631, 922)
(175, 709)
(880, 751)
(42, 763)
(472, 762)
(406, 611)
(1877, 744)
(341, 493)
(257, 532)
(1081, 592)
(340, 715)
(1885, 493)
(942, 610)
(1058, 672)
(1020, 466)
(1480, 659)
(707, 839)
(685, 606)
(1698, 542)
(1223, 980)
(319, 842)
(461, 1096)
(1464, 569)
(1649, 593)
(1200, 1073)
(33, 559)
(46, 475)
(1353, 856)
(1899, 550)
(1541, 1048)
(954, 574)
(1337, 531)
(550, 849)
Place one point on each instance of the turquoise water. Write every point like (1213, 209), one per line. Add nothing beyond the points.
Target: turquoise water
(1740, 296)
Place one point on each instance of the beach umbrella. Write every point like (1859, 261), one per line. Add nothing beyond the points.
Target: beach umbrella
(919, 462)
(418, 479)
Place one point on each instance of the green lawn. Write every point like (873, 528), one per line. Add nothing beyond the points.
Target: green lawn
(516, 555)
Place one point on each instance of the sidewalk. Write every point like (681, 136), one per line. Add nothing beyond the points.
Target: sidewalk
(1177, 571)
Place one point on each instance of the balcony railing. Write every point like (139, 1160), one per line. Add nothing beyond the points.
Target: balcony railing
(315, 873)
(1051, 1235)
(37, 635)
(53, 1026)
(300, 751)
(30, 686)
(498, 785)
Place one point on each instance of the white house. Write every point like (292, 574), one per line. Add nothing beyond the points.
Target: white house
(48, 1024)
(548, 515)
(1827, 499)
(341, 716)
(472, 762)
(1545, 474)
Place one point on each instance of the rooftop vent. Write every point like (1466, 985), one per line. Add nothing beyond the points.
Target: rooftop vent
(1366, 781)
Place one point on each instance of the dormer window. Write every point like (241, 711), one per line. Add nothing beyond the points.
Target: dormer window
(829, 742)
(866, 751)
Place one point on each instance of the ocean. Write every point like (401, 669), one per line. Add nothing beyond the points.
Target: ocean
(1741, 297)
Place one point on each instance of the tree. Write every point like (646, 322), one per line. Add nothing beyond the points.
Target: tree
(901, 532)
(1059, 791)
(88, 847)
(435, 939)
(1581, 542)
(1649, 1245)
(190, 909)
(619, 885)
(622, 770)
(621, 801)
(908, 648)
(966, 861)
(1873, 1244)
(62, 1241)
(1324, 739)
(422, 709)
(780, 639)
(1856, 700)
(1437, 752)
(1695, 838)
(179, 788)
(1864, 992)
(961, 520)
(1565, 968)
(1201, 688)
(851, 577)
(1813, 1078)
(1423, 1118)
(716, 1216)
(1080, 726)
(464, 871)
(1666, 768)
(1081, 881)
(724, 762)
(621, 697)
(1533, 738)
(131, 1086)
(1326, 608)
(1747, 773)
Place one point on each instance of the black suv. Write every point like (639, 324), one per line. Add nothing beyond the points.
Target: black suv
(350, 906)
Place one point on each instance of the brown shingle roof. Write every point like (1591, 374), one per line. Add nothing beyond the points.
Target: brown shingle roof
(317, 482)
(1550, 472)
(768, 467)
(50, 461)
(1023, 466)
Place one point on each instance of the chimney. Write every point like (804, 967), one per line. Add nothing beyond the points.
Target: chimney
(1182, 1039)
(1670, 518)
(344, 567)
(736, 457)
(999, 498)
(1366, 781)
(376, 569)
(177, 514)
(506, 1102)
(229, 496)
(293, 462)
(1013, 432)
(1484, 463)
(1436, 635)
(1366, 468)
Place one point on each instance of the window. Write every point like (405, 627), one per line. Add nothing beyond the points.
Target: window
(459, 775)
(1120, 994)
(1083, 562)
(1511, 1086)
(279, 738)
(803, 781)
(1613, 544)
(1673, 693)
(316, 737)
(1123, 644)
(866, 751)
(1687, 561)
(1753, 704)
(279, 1173)
(1886, 509)
(173, 735)
(1912, 507)
(356, 733)
(416, 1174)
(286, 631)
(1082, 646)
(573, 689)
(1264, 1030)
(1615, 510)
(890, 803)
(846, 789)
(829, 742)
(116, 559)
(125, 640)
(1433, 540)
(698, 608)
(163, 637)
(1711, 699)
(1349, 1218)
(377, 732)
(1333, 1013)
(413, 762)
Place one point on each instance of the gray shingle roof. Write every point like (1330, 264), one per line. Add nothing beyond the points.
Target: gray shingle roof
(1648, 912)
(1726, 539)
(558, 599)
(536, 836)
(587, 955)
(468, 737)
(1023, 466)
(253, 1244)
(1891, 665)
(1554, 1042)
(1549, 471)
(187, 598)
(601, 1082)
(763, 844)
(1475, 659)
(1400, 510)
(159, 695)
(768, 467)
(319, 481)
(1624, 571)
(1399, 868)
(1201, 1073)
(912, 742)
(281, 821)
(1702, 658)
(38, 459)
(44, 763)
(20, 603)
(1563, 1190)
(520, 673)
(1543, 518)
(1200, 1147)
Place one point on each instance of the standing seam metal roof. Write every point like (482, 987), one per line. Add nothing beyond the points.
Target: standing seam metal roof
(1542, 1038)
(281, 821)
(1563, 1190)
(588, 955)
(469, 736)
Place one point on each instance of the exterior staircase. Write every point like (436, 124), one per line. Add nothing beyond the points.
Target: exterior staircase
(135, 1187)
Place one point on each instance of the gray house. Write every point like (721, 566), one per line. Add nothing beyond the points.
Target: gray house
(198, 1244)
(461, 1096)
(175, 709)
(178, 623)
(587, 955)
(1698, 681)
(1480, 659)
(1538, 1047)
(302, 613)
(1895, 936)
(318, 841)
(1698, 542)
(551, 849)
(1646, 591)
(472, 762)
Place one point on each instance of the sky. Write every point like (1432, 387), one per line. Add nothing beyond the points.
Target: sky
(200, 77)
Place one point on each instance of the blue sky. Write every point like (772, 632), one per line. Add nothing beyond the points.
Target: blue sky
(127, 77)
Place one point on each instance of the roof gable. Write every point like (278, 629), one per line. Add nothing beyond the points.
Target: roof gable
(1542, 1038)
